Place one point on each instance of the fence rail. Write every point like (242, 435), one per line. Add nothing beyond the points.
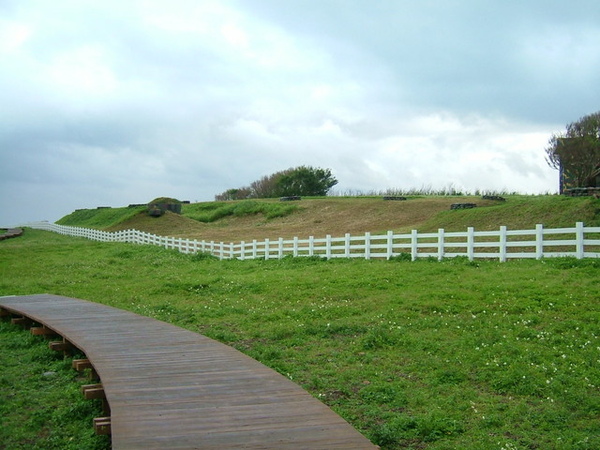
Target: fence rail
(503, 244)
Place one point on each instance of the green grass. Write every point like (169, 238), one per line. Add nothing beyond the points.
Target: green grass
(213, 211)
(99, 218)
(41, 404)
(436, 355)
(521, 212)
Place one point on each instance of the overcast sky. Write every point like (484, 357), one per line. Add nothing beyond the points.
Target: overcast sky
(106, 103)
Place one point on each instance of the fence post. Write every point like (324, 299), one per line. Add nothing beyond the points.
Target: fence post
(471, 243)
(390, 244)
(367, 245)
(440, 244)
(311, 245)
(295, 246)
(539, 241)
(280, 248)
(414, 239)
(254, 249)
(347, 245)
(328, 246)
(579, 235)
(502, 246)
(242, 250)
(267, 248)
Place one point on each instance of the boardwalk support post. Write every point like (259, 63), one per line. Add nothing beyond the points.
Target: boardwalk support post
(61, 346)
(102, 425)
(43, 331)
(25, 322)
(93, 391)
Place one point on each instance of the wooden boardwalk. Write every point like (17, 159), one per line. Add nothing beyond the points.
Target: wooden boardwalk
(169, 388)
(11, 233)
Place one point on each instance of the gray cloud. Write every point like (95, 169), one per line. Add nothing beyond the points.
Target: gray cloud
(120, 102)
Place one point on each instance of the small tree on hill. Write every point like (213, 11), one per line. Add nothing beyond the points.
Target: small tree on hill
(268, 186)
(305, 180)
(576, 153)
(234, 194)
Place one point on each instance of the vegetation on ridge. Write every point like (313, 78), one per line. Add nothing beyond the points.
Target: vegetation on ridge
(576, 153)
(295, 181)
(100, 217)
(233, 221)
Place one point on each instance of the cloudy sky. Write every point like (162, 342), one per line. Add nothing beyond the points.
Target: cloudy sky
(106, 103)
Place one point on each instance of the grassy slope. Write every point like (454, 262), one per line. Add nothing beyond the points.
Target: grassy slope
(337, 216)
(415, 355)
(99, 218)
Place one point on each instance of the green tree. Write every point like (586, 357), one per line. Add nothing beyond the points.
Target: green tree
(305, 180)
(576, 153)
(300, 181)
(267, 186)
(234, 194)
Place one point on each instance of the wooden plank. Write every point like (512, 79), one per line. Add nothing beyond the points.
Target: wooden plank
(23, 321)
(167, 387)
(60, 346)
(42, 331)
(102, 425)
(93, 391)
(81, 364)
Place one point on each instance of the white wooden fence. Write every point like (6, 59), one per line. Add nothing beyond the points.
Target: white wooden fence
(579, 242)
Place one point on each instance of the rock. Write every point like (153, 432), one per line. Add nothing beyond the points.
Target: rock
(493, 197)
(462, 205)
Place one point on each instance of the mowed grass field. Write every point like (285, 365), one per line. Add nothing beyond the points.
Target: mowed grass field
(425, 354)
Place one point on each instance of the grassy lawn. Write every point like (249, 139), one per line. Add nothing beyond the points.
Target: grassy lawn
(41, 405)
(436, 355)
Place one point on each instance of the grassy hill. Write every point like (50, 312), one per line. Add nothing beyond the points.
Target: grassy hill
(259, 219)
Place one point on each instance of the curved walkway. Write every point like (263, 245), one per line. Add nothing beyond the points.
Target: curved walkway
(171, 388)
(11, 233)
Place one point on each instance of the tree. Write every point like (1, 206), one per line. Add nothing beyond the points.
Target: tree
(268, 186)
(234, 194)
(576, 153)
(305, 180)
(299, 181)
